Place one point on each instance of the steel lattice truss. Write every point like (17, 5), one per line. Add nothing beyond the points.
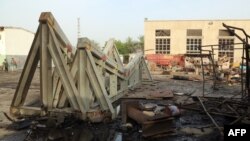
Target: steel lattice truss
(84, 84)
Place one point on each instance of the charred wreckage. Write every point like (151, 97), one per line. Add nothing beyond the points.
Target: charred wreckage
(92, 85)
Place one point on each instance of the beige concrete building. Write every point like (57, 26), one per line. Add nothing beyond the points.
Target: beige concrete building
(15, 43)
(183, 36)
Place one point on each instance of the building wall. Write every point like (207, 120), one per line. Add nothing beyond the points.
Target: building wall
(178, 37)
(2, 47)
(16, 44)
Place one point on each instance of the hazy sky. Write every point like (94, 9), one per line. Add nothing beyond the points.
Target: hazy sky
(104, 19)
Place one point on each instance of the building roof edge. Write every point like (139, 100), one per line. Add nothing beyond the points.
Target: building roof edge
(12, 27)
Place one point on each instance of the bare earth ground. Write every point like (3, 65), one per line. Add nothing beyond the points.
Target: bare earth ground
(8, 83)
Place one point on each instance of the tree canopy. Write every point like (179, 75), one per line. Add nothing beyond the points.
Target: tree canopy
(130, 45)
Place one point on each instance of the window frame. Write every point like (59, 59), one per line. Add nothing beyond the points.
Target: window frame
(193, 44)
(163, 42)
(162, 45)
(229, 51)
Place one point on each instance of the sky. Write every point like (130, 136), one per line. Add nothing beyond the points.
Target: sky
(101, 20)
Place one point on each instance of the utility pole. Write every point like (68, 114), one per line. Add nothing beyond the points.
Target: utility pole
(78, 28)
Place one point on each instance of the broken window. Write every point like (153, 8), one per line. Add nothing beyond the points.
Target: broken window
(226, 48)
(162, 45)
(162, 32)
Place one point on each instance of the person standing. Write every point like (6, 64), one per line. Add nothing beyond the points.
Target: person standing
(6, 65)
(13, 64)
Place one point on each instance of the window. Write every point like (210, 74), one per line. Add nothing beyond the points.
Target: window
(193, 45)
(162, 41)
(162, 45)
(226, 48)
(162, 32)
(226, 44)
(194, 32)
(223, 32)
(194, 40)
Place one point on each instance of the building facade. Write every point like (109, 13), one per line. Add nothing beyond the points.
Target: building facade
(184, 36)
(15, 43)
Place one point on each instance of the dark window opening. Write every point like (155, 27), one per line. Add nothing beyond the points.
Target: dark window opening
(162, 32)
(194, 32)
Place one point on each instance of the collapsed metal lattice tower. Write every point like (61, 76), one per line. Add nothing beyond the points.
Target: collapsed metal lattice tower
(245, 59)
(84, 84)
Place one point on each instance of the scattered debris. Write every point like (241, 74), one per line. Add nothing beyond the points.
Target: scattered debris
(187, 77)
(214, 122)
(153, 112)
(155, 118)
(196, 131)
(152, 93)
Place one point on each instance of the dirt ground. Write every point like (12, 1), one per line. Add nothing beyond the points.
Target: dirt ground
(8, 83)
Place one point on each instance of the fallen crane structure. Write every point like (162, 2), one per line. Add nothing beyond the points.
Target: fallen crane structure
(84, 84)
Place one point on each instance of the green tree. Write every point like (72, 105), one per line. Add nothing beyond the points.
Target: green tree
(121, 47)
(141, 42)
(130, 45)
